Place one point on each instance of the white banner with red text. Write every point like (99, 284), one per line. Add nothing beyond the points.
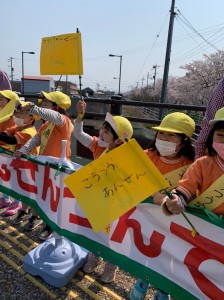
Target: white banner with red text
(161, 250)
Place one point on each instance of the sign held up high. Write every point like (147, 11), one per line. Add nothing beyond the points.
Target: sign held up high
(61, 55)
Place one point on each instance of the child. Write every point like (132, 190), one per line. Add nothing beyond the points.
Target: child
(5, 97)
(114, 131)
(17, 136)
(172, 153)
(57, 127)
(204, 176)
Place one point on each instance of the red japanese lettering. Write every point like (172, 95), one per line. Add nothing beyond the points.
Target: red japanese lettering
(67, 193)
(79, 221)
(153, 249)
(5, 173)
(30, 170)
(48, 185)
(74, 219)
(205, 249)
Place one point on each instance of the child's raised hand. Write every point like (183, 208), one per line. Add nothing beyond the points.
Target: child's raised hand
(81, 106)
(24, 110)
(172, 206)
(28, 106)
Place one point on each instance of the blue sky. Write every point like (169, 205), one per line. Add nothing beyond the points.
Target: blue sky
(135, 29)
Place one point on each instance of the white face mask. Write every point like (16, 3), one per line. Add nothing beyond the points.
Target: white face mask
(101, 143)
(166, 148)
(18, 121)
(219, 148)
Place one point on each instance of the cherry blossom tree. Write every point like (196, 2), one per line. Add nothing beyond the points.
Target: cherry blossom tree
(194, 88)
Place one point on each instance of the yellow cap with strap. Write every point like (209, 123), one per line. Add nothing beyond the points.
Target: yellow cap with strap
(177, 122)
(9, 95)
(62, 100)
(8, 110)
(120, 125)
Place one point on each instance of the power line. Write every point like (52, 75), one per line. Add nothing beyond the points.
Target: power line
(193, 29)
(197, 49)
(193, 51)
(152, 47)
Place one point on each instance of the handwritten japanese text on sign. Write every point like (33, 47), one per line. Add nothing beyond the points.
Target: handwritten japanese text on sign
(61, 55)
(114, 183)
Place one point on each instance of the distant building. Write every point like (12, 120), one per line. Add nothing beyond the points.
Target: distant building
(103, 94)
(67, 87)
(36, 84)
(88, 92)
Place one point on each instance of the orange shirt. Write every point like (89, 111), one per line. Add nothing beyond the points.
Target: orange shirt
(59, 133)
(95, 148)
(167, 165)
(22, 136)
(201, 175)
(5, 125)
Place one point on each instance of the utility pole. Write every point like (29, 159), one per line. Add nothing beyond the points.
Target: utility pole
(142, 81)
(97, 86)
(167, 59)
(11, 68)
(154, 76)
(148, 79)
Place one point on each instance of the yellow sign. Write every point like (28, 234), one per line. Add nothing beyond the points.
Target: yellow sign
(61, 55)
(7, 111)
(114, 183)
(212, 198)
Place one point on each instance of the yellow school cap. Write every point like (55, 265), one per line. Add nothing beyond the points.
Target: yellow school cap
(9, 94)
(177, 122)
(61, 99)
(120, 125)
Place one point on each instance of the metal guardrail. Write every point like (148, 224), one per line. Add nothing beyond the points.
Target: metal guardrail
(138, 112)
(196, 112)
(118, 105)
